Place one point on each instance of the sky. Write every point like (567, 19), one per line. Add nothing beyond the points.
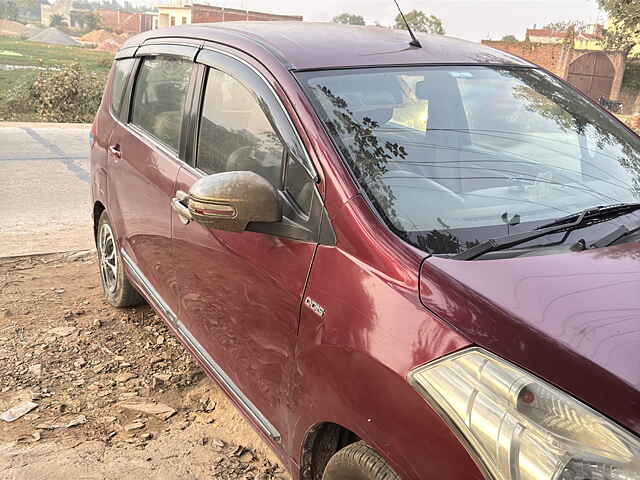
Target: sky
(469, 19)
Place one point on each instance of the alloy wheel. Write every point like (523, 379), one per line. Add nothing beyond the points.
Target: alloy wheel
(108, 258)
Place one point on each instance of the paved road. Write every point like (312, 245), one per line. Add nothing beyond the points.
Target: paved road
(44, 189)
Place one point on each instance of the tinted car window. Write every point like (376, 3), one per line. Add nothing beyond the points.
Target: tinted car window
(159, 96)
(299, 185)
(235, 134)
(121, 69)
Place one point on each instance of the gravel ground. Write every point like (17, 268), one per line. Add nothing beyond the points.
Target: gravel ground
(114, 394)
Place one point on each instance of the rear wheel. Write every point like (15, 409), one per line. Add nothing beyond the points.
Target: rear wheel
(116, 286)
(358, 461)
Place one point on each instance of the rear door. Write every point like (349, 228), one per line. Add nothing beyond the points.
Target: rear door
(241, 293)
(144, 159)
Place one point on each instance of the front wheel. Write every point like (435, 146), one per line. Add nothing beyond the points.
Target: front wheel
(116, 286)
(358, 461)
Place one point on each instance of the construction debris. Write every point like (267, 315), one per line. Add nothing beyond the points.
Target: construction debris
(18, 411)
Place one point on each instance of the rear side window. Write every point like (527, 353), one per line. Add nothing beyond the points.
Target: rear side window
(159, 96)
(235, 134)
(121, 71)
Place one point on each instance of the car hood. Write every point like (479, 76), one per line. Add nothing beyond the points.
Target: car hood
(571, 318)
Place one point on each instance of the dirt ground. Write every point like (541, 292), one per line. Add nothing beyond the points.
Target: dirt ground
(117, 396)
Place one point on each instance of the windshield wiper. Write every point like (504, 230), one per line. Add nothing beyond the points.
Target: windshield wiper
(577, 220)
(604, 212)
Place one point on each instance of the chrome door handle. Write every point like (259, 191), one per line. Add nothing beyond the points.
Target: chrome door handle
(180, 208)
(115, 151)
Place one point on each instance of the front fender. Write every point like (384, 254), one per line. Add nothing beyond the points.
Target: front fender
(352, 361)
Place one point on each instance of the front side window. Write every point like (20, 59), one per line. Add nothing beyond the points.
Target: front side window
(121, 69)
(235, 134)
(453, 156)
(158, 97)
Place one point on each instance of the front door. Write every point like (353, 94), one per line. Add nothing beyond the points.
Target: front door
(143, 169)
(241, 293)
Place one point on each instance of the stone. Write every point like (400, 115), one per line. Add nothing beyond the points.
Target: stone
(133, 426)
(18, 411)
(79, 420)
(36, 370)
(62, 331)
(124, 377)
(157, 409)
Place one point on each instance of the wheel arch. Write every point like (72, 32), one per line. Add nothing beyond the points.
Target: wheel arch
(321, 442)
(98, 208)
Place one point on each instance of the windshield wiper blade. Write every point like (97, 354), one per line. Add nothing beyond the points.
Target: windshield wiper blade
(575, 221)
(594, 213)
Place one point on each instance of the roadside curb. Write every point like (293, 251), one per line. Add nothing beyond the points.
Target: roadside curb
(44, 125)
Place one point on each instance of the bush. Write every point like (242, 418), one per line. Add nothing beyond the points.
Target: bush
(631, 79)
(67, 94)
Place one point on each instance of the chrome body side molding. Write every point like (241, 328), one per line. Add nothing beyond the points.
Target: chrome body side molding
(186, 336)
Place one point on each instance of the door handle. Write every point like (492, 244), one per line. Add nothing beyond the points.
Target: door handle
(115, 151)
(180, 208)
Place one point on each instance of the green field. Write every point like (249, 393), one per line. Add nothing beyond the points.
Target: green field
(20, 52)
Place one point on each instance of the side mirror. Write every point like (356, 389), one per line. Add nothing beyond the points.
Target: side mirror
(230, 200)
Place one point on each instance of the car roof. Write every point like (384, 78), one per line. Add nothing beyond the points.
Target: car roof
(307, 45)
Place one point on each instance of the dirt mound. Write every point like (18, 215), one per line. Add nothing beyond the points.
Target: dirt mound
(109, 46)
(99, 36)
(7, 27)
(55, 37)
(115, 394)
(30, 30)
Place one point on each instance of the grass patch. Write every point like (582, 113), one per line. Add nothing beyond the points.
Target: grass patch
(44, 56)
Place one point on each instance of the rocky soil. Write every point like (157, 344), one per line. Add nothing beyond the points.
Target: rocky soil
(110, 393)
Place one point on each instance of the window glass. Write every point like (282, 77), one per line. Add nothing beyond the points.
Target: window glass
(235, 133)
(120, 71)
(159, 96)
(299, 185)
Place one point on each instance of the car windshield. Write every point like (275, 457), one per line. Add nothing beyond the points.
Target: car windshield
(452, 156)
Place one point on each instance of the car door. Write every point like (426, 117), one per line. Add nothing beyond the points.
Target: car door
(144, 160)
(241, 293)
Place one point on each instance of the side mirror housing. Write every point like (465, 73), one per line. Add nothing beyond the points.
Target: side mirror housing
(230, 200)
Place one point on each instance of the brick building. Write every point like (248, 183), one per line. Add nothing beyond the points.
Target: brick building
(598, 74)
(181, 14)
(125, 22)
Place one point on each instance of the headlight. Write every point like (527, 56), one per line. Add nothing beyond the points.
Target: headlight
(521, 428)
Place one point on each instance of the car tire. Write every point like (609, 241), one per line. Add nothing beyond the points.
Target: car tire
(358, 461)
(116, 286)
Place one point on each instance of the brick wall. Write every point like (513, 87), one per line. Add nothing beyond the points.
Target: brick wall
(125, 22)
(207, 14)
(547, 55)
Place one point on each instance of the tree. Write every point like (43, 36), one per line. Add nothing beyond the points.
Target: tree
(421, 22)
(348, 19)
(91, 21)
(623, 33)
(566, 25)
(9, 10)
(509, 38)
(57, 20)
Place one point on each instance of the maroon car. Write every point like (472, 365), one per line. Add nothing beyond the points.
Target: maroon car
(400, 260)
